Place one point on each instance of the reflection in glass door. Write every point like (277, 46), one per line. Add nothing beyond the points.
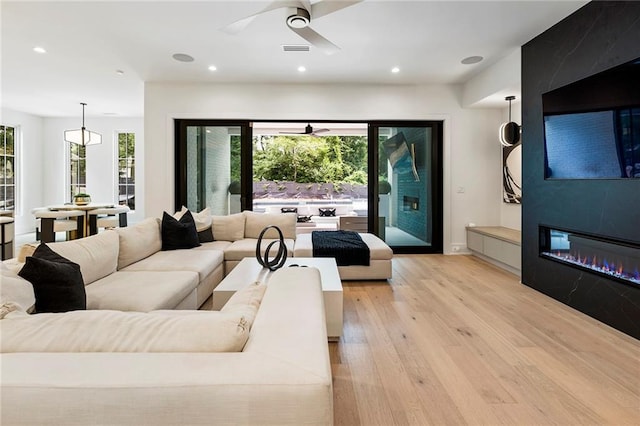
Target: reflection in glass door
(209, 166)
(409, 181)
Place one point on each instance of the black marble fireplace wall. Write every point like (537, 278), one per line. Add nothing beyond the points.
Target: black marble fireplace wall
(598, 36)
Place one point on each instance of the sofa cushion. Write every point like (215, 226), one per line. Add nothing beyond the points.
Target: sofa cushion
(214, 245)
(179, 234)
(200, 261)
(138, 241)
(15, 289)
(206, 236)
(115, 331)
(256, 222)
(228, 228)
(57, 281)
(97, 255)
(141, 291)
(238, 250)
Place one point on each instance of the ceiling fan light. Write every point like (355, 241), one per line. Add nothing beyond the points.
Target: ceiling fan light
(300, 19)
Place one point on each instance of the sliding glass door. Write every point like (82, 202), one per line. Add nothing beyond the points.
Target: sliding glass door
(210, 170)
(407, 209)
(392, 178)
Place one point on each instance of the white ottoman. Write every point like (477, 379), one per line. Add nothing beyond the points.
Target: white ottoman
(379, 265)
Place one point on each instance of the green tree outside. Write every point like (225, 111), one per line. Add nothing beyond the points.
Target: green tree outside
(308, 159)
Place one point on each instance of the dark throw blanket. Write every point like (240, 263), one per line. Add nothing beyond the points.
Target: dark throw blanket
(346, 246)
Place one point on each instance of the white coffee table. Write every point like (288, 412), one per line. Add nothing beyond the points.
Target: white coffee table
(249, 271)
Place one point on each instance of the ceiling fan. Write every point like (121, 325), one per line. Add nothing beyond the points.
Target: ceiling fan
(299, 16)
(308, 130)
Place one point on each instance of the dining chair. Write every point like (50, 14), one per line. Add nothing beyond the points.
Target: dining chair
(108, 217)
(48, 222)
(7, 234)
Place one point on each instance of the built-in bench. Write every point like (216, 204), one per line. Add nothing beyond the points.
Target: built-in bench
(498, 245)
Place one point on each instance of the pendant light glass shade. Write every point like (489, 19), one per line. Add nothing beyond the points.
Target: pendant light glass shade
(509, 133)
(82, 136)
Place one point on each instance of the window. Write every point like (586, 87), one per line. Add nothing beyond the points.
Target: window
(77, 170)
(7, 168)
(127, 170)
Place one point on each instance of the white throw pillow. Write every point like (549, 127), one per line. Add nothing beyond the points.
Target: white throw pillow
(116, 331)
(15, 289)
(202, 219)
(228, 228)
(138, 241)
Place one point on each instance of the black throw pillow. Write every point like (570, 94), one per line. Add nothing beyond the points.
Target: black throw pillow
(205, 236)
(179, 234)
(327, 212)
(288, 210)
(57, 281)
(303, 219)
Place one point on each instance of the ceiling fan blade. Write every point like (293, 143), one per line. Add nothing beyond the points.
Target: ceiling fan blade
(241, 24)
(326, 7)
(316, 39)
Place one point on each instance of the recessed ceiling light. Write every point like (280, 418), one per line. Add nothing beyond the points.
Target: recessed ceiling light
(119, 72)
(182, 57)
(39, 49)
(301, 68)
(212, 68)
(472, 60)
(395, 70)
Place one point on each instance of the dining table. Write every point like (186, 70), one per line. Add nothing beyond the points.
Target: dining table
(84, 207)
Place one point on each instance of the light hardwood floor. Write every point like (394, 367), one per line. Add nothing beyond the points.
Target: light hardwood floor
(455, 340)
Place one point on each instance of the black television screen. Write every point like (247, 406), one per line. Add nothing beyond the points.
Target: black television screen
(592, 126)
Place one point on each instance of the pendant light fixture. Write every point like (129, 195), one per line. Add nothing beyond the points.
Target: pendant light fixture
(82, 136)
(509, 133)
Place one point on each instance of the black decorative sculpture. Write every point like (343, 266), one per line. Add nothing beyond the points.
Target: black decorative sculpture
(281, 256)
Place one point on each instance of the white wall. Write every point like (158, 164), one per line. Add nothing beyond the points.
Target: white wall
(487, 89)
(495, 83)
(472, 175)
(30, 170)
(43, 155)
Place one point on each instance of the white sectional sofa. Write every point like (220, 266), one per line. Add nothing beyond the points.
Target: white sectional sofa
(126, 270)
(282, 376)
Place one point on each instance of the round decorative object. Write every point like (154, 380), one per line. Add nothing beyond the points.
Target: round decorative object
(81, 199)
(281, 256)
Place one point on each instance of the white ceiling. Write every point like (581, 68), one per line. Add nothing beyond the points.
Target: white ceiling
(87, 41)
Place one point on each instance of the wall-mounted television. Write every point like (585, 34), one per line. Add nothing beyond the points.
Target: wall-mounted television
(592, 126)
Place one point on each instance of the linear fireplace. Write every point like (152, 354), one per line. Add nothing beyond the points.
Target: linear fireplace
(615, 259)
